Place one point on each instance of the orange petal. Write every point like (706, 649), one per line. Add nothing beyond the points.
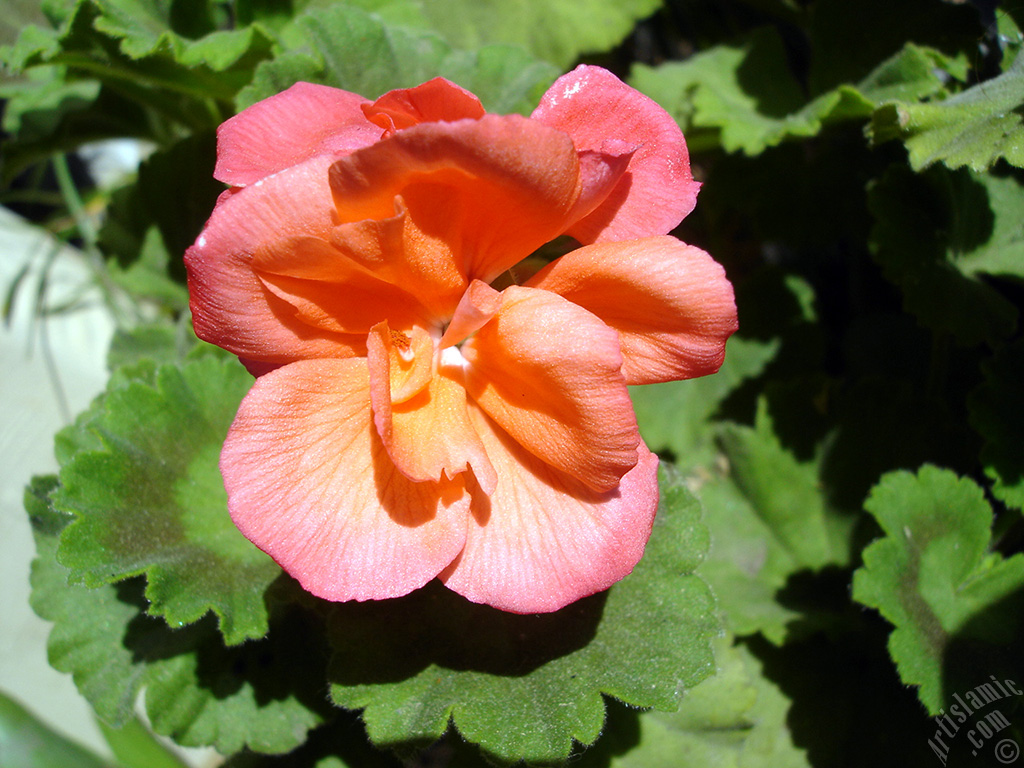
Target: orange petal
(330, 291)
(292, 126)
(543, 540)
(231, 306)
(670, 302)
(421, 416)
(436, 100)
(310, 483)
(476, 308)
(401, 364)
(549, 373)
(394, 249)
(491, 190)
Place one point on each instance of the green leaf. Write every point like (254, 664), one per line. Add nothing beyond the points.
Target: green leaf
(47, 115)
(987, 243)
(736, 719)
(151, 500)
(38, 103)
(784, 492)
(769, 519)
(526, 687)
(27, 742)
(933, 577)
(974, 128)
(159, 342)
(151, 27)
(132, 48)
(558, 31)
(341, 743)
(997, 413)
(933, 232)
(344, 47)
(134, 746)
(745, 97)
(263, 695)
(678, 416)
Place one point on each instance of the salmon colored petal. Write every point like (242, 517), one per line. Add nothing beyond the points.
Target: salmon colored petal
(310, 483)
(281, 131)
(435, 101)
(670, 302)
(231, 306)
(330, 291)
(396, 250)
(476, 308)
(401, 364)
(543, 540)
(492, 190)
(603, 114)
(426, 430)
(548, 372)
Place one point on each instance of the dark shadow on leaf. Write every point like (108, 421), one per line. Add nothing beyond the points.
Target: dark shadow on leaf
(849, 707)
(822, 599)
(391, 640)
(621, 733)
(996, 413)
(343, 737)
(887, 424)
(982, 664)
(764, 75)
(288, 662)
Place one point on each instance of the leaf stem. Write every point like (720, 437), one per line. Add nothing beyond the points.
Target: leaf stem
(112, 297)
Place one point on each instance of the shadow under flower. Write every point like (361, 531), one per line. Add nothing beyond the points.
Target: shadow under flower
(392, 640)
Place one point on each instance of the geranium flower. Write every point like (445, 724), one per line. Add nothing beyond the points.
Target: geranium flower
(419, 410)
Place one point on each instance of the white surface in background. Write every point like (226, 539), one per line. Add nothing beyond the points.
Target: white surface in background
(29, 417)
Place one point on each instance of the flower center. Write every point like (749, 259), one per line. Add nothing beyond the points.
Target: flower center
(451, 358)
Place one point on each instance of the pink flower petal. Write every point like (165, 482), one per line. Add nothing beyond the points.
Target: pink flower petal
(292, 126)
(548, 372)
(603, 114)
(310, 483)
(543, 540)
(231, 306)
(670, 302)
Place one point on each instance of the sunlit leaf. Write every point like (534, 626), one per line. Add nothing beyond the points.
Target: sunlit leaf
(344, 47)
(955, 606)
(735, 719)
(262, 695)
(678, 416)
(558, 31)
(769, 519)
(974, 128)
(151, 500)
(747, 97)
